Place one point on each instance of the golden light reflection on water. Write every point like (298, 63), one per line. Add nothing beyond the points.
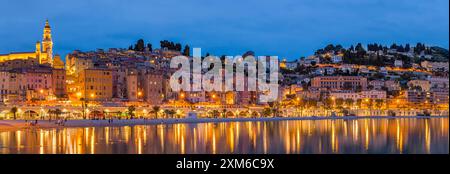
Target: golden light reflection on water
(321, 136)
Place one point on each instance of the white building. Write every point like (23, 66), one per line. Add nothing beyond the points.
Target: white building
(292, 65)
(398, 63)
(438, 82)
(371, 94)
(392, 85)
(310, 60)
(336, 59)
(377, 84)
(433, 66)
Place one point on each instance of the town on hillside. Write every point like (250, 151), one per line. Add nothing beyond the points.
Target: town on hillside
(361, 80)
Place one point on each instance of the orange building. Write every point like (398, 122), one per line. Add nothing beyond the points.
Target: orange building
(96, 84)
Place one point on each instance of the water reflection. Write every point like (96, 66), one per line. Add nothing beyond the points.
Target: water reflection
(323, 136)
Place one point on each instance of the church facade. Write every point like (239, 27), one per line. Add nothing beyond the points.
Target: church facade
(43, 51)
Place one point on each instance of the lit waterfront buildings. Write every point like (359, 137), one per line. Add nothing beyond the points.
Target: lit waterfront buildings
(155, 88)
(95, 84)
(320, 84)
(371, 94)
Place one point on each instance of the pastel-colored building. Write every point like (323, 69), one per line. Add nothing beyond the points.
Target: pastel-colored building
(96, 84)
(340, 82)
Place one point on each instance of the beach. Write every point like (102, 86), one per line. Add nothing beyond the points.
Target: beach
(11, 125)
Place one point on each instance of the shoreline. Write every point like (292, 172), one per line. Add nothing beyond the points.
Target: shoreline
(13, 125)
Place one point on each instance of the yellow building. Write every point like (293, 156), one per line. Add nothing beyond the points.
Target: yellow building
(95, 84)
(43, 52)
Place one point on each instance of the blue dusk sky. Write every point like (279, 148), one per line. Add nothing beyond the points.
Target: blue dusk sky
(284, 28)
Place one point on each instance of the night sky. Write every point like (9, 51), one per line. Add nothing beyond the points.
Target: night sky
(285, 28)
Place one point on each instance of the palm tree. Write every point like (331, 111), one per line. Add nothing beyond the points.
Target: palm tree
(359, 103)
(50, 113)
(328, 105)
(274, 106)
(215, 113)
(168, 113)
(156, 110)
(267, 112)
(349, 102)
(172, 112)
(379, 103)
(224, 113)
(14, 111)
(312, 104)
(301, 103)
(339, 102)
(131, 110)
(57, 113)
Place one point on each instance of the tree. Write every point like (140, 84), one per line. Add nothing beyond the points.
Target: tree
(224, 113)
(170, 45)
(172, 113)
(275, 107)
(312, 103)
(328, 104)
(187, 51)
(139, 45)
(339, 102)
(301, 103)
(379, 103)
(215, 113)
(369, 103)
(359, 103)
(178, 47)
(349, 102)
(150, 47)
(167, 112)
(131, 110)
(57, 113)
(50, 113)
(14, 111)
(155, 110)
(407, 48)
(267, 112)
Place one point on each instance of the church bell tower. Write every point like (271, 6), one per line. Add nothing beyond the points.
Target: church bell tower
(47, 45)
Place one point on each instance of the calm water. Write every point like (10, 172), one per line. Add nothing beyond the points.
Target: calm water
(323, 136)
